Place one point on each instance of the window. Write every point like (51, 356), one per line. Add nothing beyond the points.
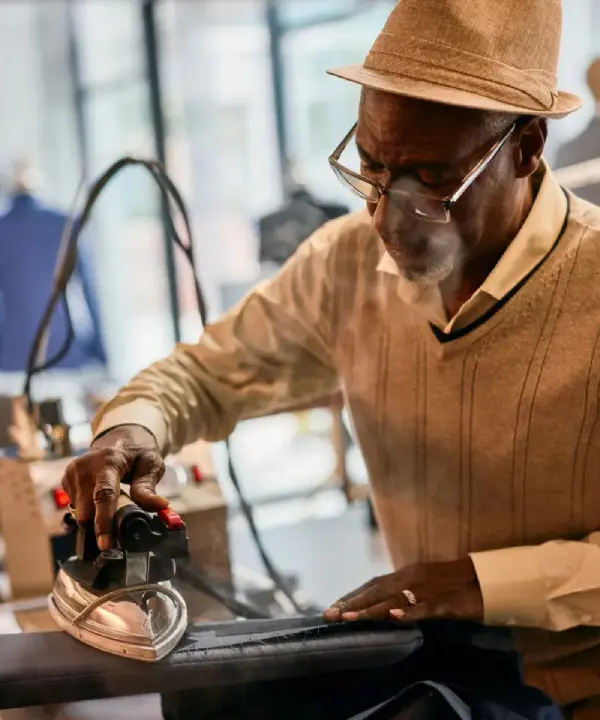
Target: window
(127, 230)
(322, 108)
(37, 117)
(233, 166)
(223, 117)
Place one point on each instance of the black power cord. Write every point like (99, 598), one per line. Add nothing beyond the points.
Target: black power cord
(171, 196)
(193, 577)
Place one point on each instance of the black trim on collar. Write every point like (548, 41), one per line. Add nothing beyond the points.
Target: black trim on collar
(443, 337)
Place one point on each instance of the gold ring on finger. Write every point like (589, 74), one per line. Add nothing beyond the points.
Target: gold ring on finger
(410, 597)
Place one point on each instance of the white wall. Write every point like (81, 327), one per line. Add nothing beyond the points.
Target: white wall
(580, 43)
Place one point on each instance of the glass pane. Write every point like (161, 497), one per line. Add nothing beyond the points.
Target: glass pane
(579, 46)
(595, 24)
(222, 147)
(321, 109)
(39, 133)
(126, 227)
(113, 33)
(128, 234)
(294, 12)
(37, 117)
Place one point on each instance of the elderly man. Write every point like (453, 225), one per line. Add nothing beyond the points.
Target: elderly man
(459, 314)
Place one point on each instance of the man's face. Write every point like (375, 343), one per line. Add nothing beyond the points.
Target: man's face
(428, 148)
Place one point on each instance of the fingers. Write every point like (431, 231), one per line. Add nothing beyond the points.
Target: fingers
(367, 595)
(148, 470)
(332, 614)
(373, 600)
(429, 610)
(93, 480)
(83, 502)
(105, 497)
(412, 614)
(413, 594)
(381, 611)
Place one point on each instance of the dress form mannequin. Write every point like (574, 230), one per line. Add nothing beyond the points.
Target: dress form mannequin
(26, 178)
(30, 238)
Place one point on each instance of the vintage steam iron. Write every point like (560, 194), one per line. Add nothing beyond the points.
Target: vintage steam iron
(121, 601)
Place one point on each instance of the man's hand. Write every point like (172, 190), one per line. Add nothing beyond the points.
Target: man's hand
(430, 590)
(93, 480)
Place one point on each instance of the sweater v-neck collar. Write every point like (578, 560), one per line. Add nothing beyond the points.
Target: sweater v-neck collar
(532, 283)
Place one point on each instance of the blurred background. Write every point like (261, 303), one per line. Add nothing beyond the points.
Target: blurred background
(234, 97)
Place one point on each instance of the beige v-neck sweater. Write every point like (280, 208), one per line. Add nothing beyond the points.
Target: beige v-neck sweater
(483, 441)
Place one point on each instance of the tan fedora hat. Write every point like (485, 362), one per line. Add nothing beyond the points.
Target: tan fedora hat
(497, 55)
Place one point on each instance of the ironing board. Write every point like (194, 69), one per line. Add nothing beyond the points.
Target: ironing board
(46, 668)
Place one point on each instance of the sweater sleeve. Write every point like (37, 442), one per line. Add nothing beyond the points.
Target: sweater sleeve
(553, 586)
(272, 351)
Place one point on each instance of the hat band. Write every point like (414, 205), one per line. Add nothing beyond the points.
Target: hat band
(452, 67)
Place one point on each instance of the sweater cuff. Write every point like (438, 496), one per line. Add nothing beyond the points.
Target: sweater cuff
(512, 585)
(137, 412)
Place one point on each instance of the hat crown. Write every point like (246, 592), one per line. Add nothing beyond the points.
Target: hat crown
(522, 33)
(503, 49)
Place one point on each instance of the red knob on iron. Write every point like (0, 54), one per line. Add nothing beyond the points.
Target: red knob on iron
(61, 499)
(170, 518)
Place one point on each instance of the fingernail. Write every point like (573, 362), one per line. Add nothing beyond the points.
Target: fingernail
(104, 542)
(350, 616)
(331, 613)
(398, 614)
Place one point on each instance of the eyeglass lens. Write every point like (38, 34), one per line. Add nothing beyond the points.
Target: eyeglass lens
(421, 206)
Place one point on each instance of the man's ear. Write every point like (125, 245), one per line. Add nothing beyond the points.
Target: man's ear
(531, 139)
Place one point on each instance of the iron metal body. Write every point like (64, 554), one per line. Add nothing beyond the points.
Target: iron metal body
(121, 601)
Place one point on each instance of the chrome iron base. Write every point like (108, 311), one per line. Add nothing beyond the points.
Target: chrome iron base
(141, 622)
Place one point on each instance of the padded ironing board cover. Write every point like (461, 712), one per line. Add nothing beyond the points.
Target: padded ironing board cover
(46, 668)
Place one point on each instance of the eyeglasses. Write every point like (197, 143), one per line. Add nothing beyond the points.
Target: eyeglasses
(424, 207)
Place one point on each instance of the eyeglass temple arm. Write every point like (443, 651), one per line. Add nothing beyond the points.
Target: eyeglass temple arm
(480, 167)
(336, 154)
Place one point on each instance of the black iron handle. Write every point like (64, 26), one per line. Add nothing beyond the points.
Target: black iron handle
(135, 531)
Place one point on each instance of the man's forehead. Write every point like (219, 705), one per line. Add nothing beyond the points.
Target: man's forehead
(385, 120)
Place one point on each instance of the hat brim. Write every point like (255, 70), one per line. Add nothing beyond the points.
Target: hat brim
(566, 103)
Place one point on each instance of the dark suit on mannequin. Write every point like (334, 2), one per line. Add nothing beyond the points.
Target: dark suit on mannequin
(30, 236)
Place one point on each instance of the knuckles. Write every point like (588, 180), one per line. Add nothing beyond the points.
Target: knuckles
(94, 477)
(117, 458)
(157, 463)
(104, 492)
(83, 471)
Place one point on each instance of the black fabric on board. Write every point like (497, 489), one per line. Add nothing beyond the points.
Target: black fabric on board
(287, 668)
(477, 665)
(46, 668)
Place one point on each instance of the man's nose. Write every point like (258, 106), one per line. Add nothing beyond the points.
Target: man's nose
(390, 219)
